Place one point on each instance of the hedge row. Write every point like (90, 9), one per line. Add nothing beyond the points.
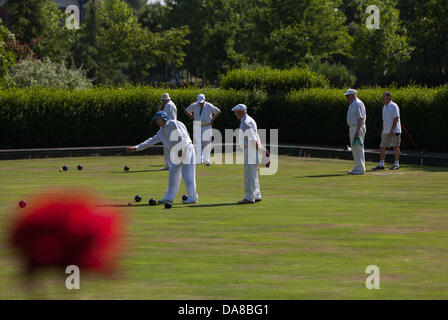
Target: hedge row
(320, 116)
(273, 80)
(35, 118)
(31, 118)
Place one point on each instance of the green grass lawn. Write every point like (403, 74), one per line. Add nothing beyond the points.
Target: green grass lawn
(311, 237)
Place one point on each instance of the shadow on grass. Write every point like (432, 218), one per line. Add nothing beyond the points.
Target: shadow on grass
(138, 171)
(213, 205)
(326, 175)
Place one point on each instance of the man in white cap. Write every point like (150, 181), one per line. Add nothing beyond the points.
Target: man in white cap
(174, 136)
(203, 114)
(248, 129)
(356, 120)
(391, 134)
(170, 109)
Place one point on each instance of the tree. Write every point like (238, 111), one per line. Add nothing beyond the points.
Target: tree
(27, 19)
(7, 58)
(427, 23)
(86, 51)
(56, 40)
(379, 52)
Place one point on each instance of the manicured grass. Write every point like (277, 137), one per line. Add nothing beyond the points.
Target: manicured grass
(311, 237)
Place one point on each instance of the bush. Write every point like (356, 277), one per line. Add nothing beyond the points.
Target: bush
(273, 80)
(44, 117)
(338, 74)
(318, 116)
(36, 73)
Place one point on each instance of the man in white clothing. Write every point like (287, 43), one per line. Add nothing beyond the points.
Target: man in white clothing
(170, 109)
(174, 136)
(203, 114)
(391, 134)
(249, 132)
(356, 120)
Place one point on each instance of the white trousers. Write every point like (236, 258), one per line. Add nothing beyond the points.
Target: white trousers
(206, 139)
(166, 156)
(357, 150)
(188, 172)
(251, 183)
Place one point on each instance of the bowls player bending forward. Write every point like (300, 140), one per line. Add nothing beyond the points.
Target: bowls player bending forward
(174, 136)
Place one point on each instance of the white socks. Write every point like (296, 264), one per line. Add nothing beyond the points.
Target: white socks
(381, 163)
(396, 163)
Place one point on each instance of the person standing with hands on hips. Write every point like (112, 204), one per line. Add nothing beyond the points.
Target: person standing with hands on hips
(356, 121)
(203, 114)
(391, 134)
(170, 109)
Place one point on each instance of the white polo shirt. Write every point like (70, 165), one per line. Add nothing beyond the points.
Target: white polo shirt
(248, 126)
(355, 111)
(173, 130)
(204, 116)
(171, 110)
(390, 112)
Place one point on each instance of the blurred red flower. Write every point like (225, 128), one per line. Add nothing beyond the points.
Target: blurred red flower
(68, 228)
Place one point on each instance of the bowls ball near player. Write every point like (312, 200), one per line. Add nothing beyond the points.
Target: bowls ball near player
(152, 202)
(65, 168)
(184, 197)
(79, 167)
(168, 205)
(126, 168)
(22, 204)
(138, 198)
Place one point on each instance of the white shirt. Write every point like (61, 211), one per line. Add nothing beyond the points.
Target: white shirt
(355, 111)
(173, 130)
(390, 112)
(171, 110)
(208, 110)
(249, 127)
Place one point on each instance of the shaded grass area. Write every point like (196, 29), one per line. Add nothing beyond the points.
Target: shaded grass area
(312, 236)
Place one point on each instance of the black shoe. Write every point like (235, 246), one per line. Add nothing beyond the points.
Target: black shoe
(257, 200)
(378, 168)
(394, 167)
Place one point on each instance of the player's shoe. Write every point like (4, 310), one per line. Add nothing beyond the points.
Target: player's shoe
(207, 163)
(189, 201)
(257, 200)
(245, 201)
(355, 173)
(394, 167)
(378, 168)
(165, 168)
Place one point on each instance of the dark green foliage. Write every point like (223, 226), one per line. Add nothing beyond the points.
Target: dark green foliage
(101, 116)
(273, 80)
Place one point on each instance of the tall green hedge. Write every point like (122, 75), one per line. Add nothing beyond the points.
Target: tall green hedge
(319, 116)
(273, 80)
(35, 118)
(31, 118)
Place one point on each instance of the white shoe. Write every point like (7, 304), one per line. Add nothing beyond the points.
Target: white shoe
(189, 201)
(165, 168)
(355, 172)
(207, 163)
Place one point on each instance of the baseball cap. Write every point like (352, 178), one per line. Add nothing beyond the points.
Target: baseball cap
(201, 98)
(351, 91)
(161, 114)
(241, 107)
